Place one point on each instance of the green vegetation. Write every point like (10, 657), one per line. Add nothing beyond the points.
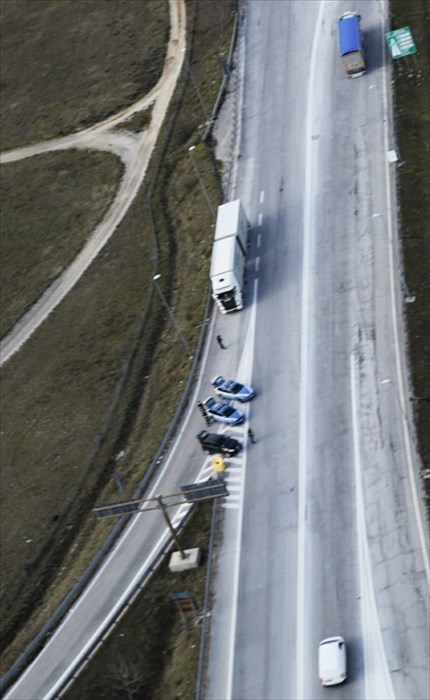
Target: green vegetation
(50, 205)
(412, 121)
(75, 62)
(87, 385)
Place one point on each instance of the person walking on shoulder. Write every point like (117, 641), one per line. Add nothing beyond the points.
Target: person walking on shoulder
(220, 342)
(251, 436)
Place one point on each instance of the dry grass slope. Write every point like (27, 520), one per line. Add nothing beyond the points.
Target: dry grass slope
(50, 205)
(71, 64)
(64, 428)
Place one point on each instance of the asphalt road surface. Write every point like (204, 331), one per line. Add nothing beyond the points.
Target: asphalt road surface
(321, 530)
(325, 540)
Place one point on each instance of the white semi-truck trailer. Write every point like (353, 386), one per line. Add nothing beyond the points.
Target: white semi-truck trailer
(229, 256)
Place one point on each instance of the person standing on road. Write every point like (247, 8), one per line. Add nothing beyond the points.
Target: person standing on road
(251, 436)
(220, 342)
(204, 413)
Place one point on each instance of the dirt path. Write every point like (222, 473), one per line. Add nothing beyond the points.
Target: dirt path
(135, 151)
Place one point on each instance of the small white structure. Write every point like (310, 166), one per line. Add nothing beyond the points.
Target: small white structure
(191, 561)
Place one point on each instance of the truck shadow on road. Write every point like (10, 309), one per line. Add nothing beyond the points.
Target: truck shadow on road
(373, 48)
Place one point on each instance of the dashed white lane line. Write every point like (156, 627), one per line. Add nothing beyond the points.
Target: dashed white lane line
(259, 240)
(257, 264)
(261, 196)
(308, 241)
(260, 219)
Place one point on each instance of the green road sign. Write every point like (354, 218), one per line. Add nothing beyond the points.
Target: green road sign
(400, 42)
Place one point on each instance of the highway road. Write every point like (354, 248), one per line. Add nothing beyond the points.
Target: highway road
(322, 533)
(327, 538)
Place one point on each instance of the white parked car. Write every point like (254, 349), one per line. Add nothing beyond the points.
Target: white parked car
(332, 661)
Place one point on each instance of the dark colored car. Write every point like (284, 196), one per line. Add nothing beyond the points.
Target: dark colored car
(212, 443)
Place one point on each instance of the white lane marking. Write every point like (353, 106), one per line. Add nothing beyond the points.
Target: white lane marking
(377, 679)
(231, 505)
(257, 264)
(260, 219)
(402, 398)
(259, 240)
(245, 370)
(261, 196)
(306, 280)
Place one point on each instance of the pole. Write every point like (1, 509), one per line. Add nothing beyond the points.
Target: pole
(172, 318)
(202, 185)
(170, 526)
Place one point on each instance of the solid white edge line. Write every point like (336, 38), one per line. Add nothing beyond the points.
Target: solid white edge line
(400, 383)
(235, 596)
(368, 607)
(302, 467)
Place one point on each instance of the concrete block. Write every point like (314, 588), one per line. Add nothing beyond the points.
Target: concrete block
(191, 561)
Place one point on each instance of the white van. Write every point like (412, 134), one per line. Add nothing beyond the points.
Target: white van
(332, 661)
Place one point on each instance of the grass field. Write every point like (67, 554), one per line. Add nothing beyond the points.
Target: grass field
(75, 62)
(49, 206)
(62, 427)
